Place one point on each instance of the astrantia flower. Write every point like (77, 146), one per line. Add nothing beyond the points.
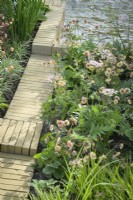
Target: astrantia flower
(92, 155)
(121, 57)
(11, 49)
(86, 53)
(107, 91)
(84, 101)
(127, 90)
(117, 98)
(74, 153)
(95, 63)
(122, 91)
(129, 101)
(61, 83)
(120, 64)
(116, 101)
(50, 79)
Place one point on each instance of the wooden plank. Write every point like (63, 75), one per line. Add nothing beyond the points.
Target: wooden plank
(1, 121)
(16, 177)
(13, 182)
(34, 69)
(17, 167)
(30, 92)
(15, 136)
(16, 172)
(24, 118)
(39, 57)
(14, 188)
(25, 80)
(35, 141)
(16, 162)
(16, 157)
(21, 138)
(28, 139)
(13, 194)
(27, 116)
(9, 198)
(23, 110)
(3, 128)
(29, 100)
(37, 85)
(34, 78)
(32, 72)
(20, 106)
(8, 134)
(38, 89)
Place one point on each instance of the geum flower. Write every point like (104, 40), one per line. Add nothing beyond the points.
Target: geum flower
(69, 145)
(62, 124)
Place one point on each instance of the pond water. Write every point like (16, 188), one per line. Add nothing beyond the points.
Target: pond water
(104, 19)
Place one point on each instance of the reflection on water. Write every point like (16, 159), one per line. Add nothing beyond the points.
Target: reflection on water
(101, 15)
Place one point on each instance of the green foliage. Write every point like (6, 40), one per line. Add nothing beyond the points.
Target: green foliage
(25, 14)
(10, 72)
(98, 122)
(93, 180)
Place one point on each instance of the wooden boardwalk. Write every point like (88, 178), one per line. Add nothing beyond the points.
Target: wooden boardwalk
(15, 177)
(21, 127)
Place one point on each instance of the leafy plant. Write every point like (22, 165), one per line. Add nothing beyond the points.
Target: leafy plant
(95, 179)
(21, 11)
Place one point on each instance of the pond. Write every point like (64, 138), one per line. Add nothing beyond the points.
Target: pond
(104, 19)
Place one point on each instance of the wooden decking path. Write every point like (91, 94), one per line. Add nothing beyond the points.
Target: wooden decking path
(15, 177)
(32, 91)
(21, 127)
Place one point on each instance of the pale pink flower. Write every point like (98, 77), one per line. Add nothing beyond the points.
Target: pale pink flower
(60, 123)
(84, 100)
(95, 63)
(50, 79)
(69, 145)
(74, 153)
(107, 91)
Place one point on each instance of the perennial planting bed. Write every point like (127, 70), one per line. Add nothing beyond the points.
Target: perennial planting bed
(21, 127)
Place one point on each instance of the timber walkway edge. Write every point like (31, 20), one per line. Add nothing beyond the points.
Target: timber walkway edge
(21, 127)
